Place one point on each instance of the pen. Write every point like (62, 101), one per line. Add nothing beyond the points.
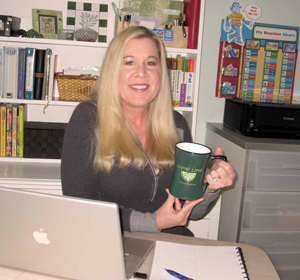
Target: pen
(178, 275)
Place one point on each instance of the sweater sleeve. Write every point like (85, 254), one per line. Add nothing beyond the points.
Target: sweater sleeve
(79, 179)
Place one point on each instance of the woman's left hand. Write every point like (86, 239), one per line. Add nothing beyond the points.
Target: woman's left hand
(222, 174)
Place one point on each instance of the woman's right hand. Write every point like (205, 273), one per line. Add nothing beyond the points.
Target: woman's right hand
(168, 216)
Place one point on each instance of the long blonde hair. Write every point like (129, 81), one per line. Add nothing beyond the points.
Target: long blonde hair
(115, 140)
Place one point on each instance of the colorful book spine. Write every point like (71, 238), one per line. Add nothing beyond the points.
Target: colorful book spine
(173, 78)
(178, 83)
(20, 135)
(190, 83)
(8, 130)
(183, 82)
(1, 71)
(30, 73)
(3, 130)
(21, 73)
(14, 131)
(10, 80)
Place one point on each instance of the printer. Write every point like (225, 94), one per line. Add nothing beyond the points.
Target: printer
(257, 119)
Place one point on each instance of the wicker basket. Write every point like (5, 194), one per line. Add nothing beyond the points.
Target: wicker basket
(74, 88)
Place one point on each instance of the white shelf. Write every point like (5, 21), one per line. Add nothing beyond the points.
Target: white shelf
(49, 42)
(29, 160)
(65, 103)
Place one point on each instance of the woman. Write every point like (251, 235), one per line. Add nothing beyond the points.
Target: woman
(120, 146)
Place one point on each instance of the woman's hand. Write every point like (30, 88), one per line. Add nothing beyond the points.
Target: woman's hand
(168, 216)
(222, 174)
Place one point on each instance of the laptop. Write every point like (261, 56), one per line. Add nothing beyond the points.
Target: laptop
(67, 237)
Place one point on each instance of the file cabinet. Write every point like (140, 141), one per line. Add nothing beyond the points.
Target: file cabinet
(263, 206)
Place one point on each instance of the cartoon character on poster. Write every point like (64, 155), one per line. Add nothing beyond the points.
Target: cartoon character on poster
(234, 24)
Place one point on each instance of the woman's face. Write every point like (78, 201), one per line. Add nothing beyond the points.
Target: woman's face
(139, 78)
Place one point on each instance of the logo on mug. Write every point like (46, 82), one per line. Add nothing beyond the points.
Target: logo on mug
(188, 176)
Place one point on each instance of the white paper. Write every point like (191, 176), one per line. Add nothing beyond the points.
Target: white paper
(196, 262)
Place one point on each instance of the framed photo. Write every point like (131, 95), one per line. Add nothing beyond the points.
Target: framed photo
(47, 22)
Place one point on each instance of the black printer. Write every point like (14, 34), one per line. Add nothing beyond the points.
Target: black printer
(257, 119)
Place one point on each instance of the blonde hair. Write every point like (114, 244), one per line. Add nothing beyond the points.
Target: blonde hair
(115, 140)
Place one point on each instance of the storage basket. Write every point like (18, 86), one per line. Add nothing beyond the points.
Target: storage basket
(74, 88)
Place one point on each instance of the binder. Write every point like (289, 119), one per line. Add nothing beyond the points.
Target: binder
(1, 71)
(29, 74)
(192, 14)
(10, 79)
(21, 73)
(39, 73)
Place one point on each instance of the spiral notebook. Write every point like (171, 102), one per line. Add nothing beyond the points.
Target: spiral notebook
(197, 262)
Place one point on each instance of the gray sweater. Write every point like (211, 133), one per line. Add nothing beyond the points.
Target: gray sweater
(139, 193)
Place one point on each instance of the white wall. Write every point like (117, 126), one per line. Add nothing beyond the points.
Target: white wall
(281, 12)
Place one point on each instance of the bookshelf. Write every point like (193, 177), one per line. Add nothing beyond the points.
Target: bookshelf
(43, 174)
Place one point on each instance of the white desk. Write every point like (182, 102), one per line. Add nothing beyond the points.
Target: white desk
(258, 264)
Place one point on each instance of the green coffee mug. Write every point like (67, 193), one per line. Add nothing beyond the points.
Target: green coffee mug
(191, 161)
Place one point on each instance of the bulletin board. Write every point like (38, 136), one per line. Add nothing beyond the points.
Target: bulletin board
(261, 66)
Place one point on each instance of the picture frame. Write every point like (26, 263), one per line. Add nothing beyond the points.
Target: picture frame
(47, 22)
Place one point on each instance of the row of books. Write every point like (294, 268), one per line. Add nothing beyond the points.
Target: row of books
(12, 130)
(27, 73)
(182, 76)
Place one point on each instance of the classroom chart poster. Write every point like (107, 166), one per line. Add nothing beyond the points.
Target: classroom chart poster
(257, 62)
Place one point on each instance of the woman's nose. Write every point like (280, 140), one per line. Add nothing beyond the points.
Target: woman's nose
(141, 70)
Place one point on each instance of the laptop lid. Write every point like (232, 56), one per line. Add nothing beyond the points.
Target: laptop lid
(65, 236)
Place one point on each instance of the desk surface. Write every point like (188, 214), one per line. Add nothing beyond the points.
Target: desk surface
(258, 264)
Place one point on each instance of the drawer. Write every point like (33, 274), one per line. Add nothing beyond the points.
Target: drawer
(271, 211)
(277, 171)
(283, 249)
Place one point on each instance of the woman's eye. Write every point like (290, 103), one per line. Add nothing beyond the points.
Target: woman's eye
(128, 62)
(150, 63)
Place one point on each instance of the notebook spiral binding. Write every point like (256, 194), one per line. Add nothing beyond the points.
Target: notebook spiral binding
(242, 262)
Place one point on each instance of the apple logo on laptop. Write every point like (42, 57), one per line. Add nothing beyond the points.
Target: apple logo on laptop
(41, 237)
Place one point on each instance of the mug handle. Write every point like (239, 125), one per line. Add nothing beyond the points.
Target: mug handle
(212, 158)
(219, 157)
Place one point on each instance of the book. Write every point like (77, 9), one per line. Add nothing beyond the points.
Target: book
(47, 62)
(21, 73)
(1, 71)
(190, 83)
(29, 73)
(183, 82)
(10, 72)
(173, 70)
(8, 130)
(176, 101)
(198, 262)
(14, 131)
(39, 73)
(20, 135)
(3, 130)
(192, 14)
(52, 81)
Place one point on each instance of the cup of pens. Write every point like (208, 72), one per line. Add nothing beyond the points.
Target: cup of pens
(191, 162)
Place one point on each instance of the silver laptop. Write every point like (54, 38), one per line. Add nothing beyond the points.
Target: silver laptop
(67, 237)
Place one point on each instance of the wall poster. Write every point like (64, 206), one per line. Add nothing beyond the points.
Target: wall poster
(257, 61)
